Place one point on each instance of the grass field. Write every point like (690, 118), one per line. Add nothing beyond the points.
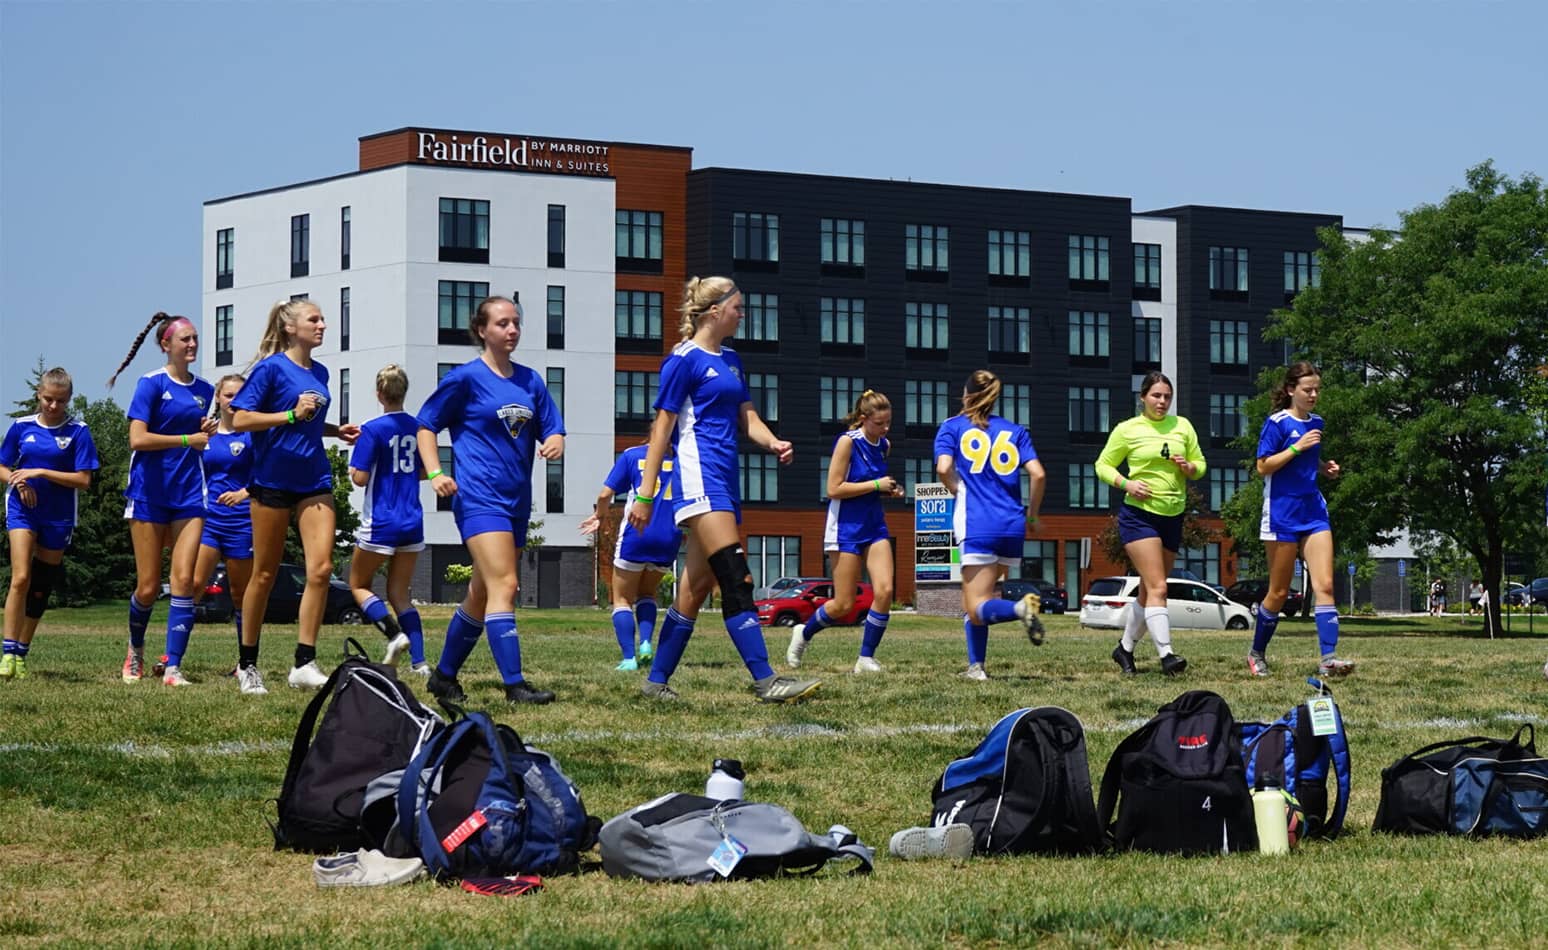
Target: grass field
(134, 814)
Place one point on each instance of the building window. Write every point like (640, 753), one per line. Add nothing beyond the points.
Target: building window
(924, 402)
(1088, 334)
(760, 318)
(1088, 261)
(448, 467)
(925, 326)
(343, 319)
(441, 369)
(555, 383)
(637, 240)
(1228, 342)
(1088, 410)
(1016, 403)
(926, 248)
(917, 472)
(1010, 330)
(843, 242)
(1225, 482)
(633, 394)
(1204, 561)
(225, 258)
(836, 396)
(1039, 561)
(772, 556)
(343, 396)
(300, 245)
(1072, 566)
(764, 390)
(843, 320)
(1147, 272)
(1225, 415)
(822, 476)
(464, 230)
(1228, 273)
(344, 238)
(556, 235)
(554, 476)
(225, 329)
(760, 477)
(755, 237)
(295, 297)
(1084, 487)
(637, 315)
(1010, 254)
(1147, 343)
(555, 318)
(458, 299)
(1302, 269)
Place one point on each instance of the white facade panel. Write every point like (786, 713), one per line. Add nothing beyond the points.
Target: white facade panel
(1162, 231)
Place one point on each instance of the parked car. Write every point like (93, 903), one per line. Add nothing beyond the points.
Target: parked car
(1182, 573)
(284, 600)
(1536, 593)
(1515, 594)
(1249, 593)
(784, 584)
(1189, 604)
(1055, 599)
(795, 605)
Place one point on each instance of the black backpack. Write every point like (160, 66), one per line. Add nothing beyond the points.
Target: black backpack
(373, 724)
(1025, 789)
(1179, 784)
(1475, 786)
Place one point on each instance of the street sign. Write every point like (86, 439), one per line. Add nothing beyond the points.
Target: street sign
(936, 556)
(1402, 567)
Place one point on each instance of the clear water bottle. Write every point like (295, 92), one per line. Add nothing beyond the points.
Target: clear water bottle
(725, 780)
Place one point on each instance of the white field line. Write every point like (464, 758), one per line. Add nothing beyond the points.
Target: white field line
(234, 748)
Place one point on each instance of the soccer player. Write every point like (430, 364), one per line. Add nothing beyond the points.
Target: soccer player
(169, 428)
(856, 531)
(1295, 516)
(702, 407)
(385, 462)
(640, 558)
(228, 523)
(46, 459)
(1163, 454)
(980, 458)
(499, 413)
(285, 406)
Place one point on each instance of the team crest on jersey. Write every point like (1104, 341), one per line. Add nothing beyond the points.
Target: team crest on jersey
(735, 372)
(63, 441)
(322, 400)
(236, 448)
(514, 415)
(203, 403)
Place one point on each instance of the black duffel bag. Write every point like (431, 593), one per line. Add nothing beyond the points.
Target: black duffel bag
(1475, 786)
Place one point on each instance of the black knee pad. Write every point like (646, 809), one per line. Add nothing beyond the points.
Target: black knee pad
(729, 565)
(44, 578)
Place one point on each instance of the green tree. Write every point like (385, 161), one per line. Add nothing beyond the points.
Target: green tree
(1429, 343)
(28, 404)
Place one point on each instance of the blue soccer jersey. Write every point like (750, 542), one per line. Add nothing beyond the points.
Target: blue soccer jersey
(288, 457)
(659, 542)
(859, 521)
(1292, 504)
(66, 447)
(228, 467)
(706, 391)
(171, 477)
(496, 423)
(387, 449)
(988, 465)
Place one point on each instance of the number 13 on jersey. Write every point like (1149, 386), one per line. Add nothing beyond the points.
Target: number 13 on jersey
(1002, 455)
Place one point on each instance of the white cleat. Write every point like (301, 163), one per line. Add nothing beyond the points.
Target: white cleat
(798, 645)
(867, 664)
(307, 676)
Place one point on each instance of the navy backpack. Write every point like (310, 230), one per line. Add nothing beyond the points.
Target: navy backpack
(1286, 754)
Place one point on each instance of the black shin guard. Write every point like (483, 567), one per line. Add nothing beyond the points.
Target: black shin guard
(729, 565)
(44, 577)
(388, 625)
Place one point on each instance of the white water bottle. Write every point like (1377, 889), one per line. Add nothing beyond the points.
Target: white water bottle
(725, 780)
(1269, 813)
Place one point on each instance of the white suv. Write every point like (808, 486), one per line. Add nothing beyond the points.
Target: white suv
(1189, 604)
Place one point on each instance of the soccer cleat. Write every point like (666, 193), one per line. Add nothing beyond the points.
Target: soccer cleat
(1173, 665)
(173, 676)
(645, 651)
(445, 687)
(421, 670)
(365, 869)
(522, 691)
(975, 672)
(627, 666)
(1257, 664)
(867, 664)
(160, 666)
(134, 666)
(1026, 610)
(7, 666)
(396, 647)
(784, 689)
(1333, 666)
(937, 841)
(20, 668)
(661, 691)
(1125, 660)
(307, 676)
(251, 681)
(798, 645)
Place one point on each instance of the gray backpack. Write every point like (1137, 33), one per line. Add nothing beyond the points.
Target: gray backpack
(673, 838)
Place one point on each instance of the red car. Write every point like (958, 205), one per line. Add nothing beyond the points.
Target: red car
(797, 604)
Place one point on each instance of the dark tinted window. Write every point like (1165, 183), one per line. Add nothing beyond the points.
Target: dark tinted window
(1106, 587)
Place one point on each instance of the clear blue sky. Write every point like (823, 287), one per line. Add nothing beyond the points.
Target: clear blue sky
(117, 120)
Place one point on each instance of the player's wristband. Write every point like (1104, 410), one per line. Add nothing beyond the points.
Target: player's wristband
(185, 441)
(435, 474)
(644, 500)
(877, 483)
(1123, 484)
(1294, 450)
(290, 416)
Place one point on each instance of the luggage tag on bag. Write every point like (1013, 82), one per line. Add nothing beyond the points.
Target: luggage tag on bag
(1324, 715)
(726, 855)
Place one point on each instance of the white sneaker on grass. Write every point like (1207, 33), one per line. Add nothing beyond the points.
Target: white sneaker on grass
(365, 869)
(798, 645)
(251, 681)
(307, 676)
(421, 670)
(938, 841)
(396, 648)
(975, 672)
(867, 664)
